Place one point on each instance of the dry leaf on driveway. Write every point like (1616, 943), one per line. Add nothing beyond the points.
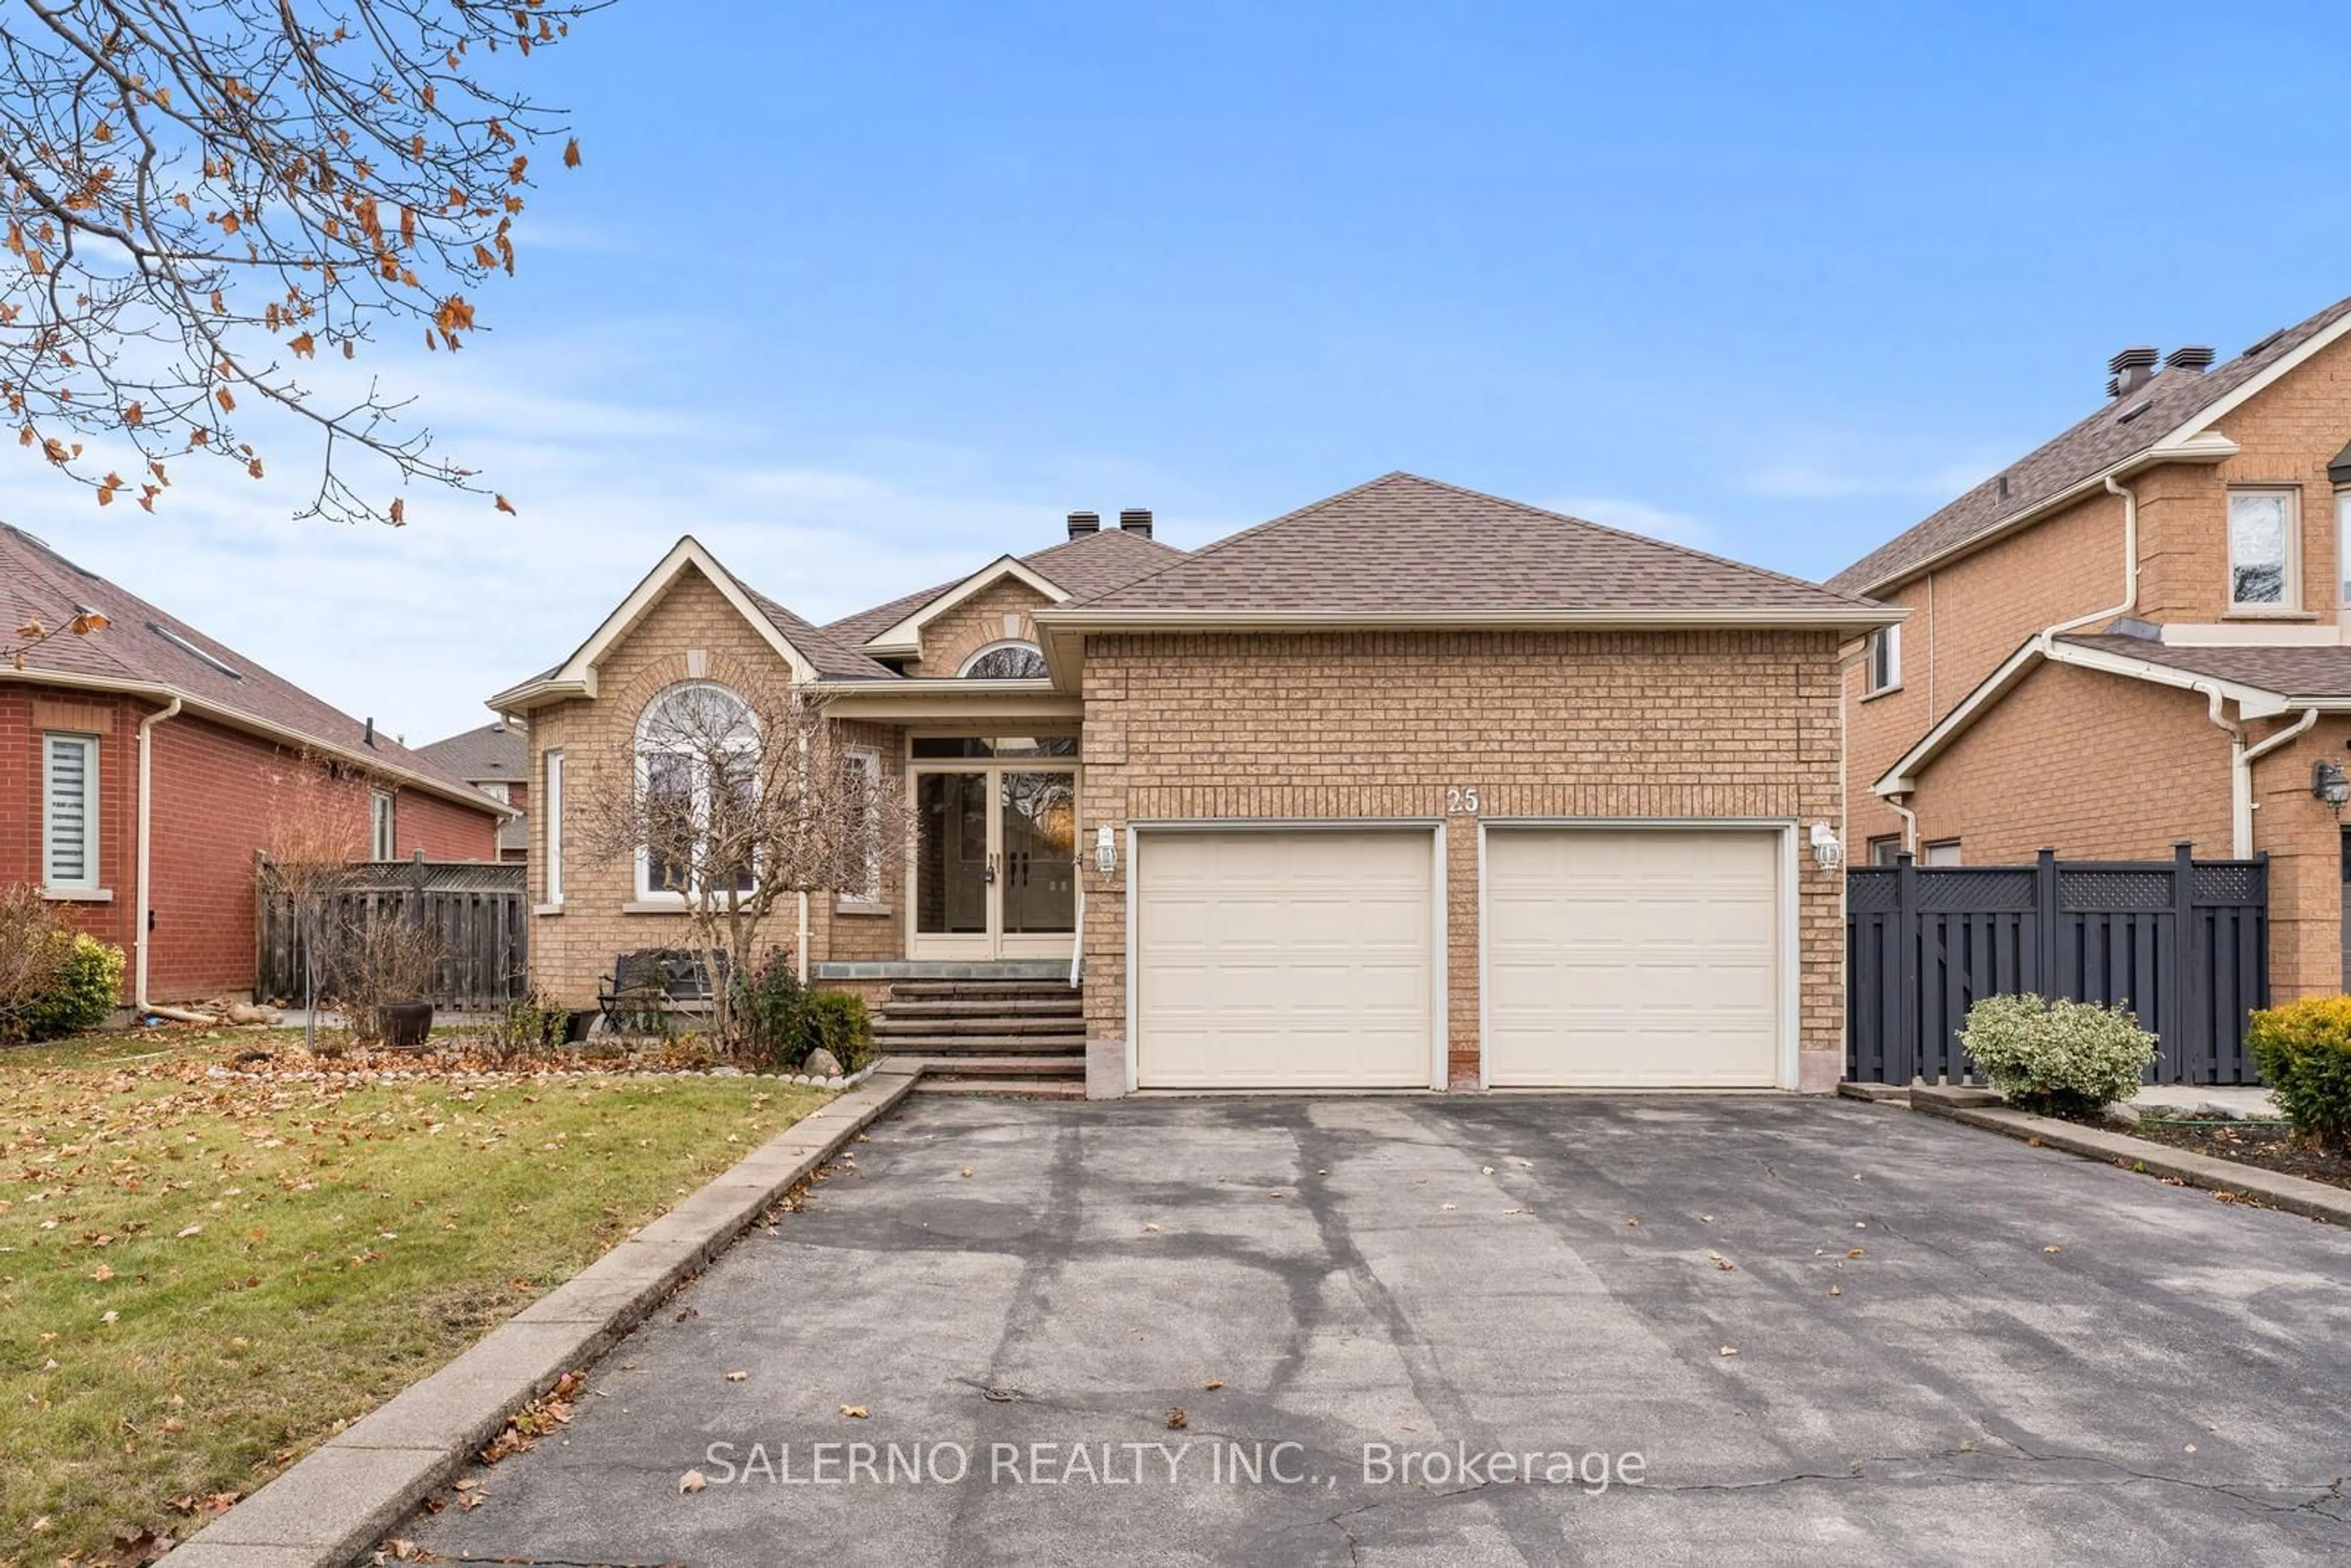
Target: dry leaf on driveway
(736, 1377)
(1178, 1420)
(855, 1412)
(691, 1481)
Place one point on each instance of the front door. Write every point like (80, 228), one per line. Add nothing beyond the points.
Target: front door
(995, 863)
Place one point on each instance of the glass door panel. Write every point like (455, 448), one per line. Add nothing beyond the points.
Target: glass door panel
(951, 864)
(1039, 880)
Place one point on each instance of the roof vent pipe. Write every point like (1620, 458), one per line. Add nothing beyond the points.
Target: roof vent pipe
(2196, 357)
(1135, 521)
(2133, 369)
(1085, 523)
(369, 740)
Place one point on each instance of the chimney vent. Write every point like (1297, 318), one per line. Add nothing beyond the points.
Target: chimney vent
(2196, 357)
(2133, 368)
(1135, 521)
(369, 738)
(1085, 523)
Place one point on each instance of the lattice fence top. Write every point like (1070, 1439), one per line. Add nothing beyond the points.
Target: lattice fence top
(1945, 890)
(1872, 890)
(2096, 892)
(2230, 883)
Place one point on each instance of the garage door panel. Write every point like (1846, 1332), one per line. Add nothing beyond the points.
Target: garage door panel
(1284, 959)
(1632, 956)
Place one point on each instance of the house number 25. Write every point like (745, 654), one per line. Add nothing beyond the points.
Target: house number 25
(1461, 800)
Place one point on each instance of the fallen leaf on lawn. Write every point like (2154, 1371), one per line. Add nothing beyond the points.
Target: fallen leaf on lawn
(101, 1273)
(1178, 1420)
(855, 1412)
(112, 1316)
(691, 1481)
(736, 1377)
(188, 1230)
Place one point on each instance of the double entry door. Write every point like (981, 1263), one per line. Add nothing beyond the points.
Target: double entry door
(996, 872)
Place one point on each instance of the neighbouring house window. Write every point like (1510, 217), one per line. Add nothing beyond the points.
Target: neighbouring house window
(2262, 528)
(1005, 662)
(499, 790)
(1884, 659)
(550, 810)
(69, 810)
(864, 767)
(697, 765)
(383, 836)
(1886, 850)
(1941, 852)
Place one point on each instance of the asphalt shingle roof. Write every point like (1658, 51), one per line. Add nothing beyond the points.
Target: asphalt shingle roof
(2171, 399)
(2316, 673)
(1089, 564)
(1405, 543)
(497, 751)
(37, 583)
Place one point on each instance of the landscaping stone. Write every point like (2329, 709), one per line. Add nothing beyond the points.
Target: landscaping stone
(822, 1063)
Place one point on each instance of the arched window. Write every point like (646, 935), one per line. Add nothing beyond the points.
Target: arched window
(697, 775)
(1006, 661)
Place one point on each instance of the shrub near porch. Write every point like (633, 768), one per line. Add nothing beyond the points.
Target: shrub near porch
(201, 1278)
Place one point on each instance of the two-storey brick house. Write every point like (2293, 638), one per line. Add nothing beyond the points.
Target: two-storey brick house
(1413, 787)
(2133, 636)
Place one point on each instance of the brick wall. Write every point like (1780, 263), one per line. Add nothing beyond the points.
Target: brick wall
(214, 789)
(1567, 725)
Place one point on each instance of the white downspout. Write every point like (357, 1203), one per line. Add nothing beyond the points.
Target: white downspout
(2130, 571)
(146, 840)
(2240, 781)
(1909, 823)
(800, 945)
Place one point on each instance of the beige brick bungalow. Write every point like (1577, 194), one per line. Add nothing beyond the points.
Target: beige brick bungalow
(1411, 788)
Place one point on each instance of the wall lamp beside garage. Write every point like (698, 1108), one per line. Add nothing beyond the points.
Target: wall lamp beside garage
(2328, 784)
(1826, 852)
(1105, 850)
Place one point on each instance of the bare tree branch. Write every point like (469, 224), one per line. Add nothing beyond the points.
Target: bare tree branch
(198, 194)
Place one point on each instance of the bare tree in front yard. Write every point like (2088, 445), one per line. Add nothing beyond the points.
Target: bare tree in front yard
(735, 804)
(307, 851)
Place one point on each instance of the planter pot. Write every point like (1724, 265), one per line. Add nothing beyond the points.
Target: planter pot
(406, 1025)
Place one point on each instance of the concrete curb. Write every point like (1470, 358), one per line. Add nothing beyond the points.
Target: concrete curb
(2292, 1194)
(334, 1505)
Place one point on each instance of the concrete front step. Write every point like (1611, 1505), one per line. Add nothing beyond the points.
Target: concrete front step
(1073, 1045)
(954, 990)
(998, 1066)
(890, 1026)
(1067, 1006)
(1002, 1088)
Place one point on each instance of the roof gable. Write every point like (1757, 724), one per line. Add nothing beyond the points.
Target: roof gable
(2171, 414)
(904, 636)
(1089, 564)
(1405, 546)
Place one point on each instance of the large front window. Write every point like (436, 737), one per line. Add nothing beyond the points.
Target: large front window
(2260, 550)
(697, 749)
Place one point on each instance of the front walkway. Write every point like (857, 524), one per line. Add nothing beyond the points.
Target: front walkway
(1830, 1332)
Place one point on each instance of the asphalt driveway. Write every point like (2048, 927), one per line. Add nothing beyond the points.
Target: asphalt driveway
(1949, 1347)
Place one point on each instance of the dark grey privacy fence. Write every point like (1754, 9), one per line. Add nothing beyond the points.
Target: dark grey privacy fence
(475, 909)
(2185, 942)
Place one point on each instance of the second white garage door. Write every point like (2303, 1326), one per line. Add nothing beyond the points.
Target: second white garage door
(1284, 959)
(1632, 957)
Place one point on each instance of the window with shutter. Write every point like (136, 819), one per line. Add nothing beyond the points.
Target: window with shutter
(69, 810)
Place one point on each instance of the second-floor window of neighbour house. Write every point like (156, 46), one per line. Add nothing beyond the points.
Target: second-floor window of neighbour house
(1885, 658)
(2260, 550)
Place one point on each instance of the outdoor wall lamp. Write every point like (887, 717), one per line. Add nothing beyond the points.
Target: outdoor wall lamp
(2328, 783)
(1826, 851)
(1105, 850)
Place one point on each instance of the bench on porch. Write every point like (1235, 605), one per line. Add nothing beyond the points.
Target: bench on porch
(651, 984)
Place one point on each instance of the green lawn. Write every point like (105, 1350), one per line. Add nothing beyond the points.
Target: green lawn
(200, 1279)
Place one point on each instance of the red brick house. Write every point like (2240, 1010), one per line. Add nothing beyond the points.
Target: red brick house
(495, 759)
(2132, 636)
(139, 766)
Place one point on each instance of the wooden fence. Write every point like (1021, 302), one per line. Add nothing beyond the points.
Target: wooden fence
(2184, 941)
(475, 909)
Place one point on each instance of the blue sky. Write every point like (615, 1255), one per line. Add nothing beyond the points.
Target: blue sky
(865, 295)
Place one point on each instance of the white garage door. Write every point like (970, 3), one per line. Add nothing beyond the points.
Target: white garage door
(1284, 959)
(1631, 956)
